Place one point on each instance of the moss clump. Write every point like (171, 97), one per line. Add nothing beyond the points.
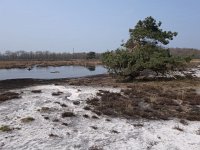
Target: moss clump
(5, 128)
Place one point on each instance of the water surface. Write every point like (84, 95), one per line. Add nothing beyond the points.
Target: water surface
(51, 72)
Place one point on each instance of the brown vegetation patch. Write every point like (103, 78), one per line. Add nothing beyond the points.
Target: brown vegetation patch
(46, 117)
(95, 148)
(138, 125)
(94, 127)
(55, 120)
(27, 119)
(68, 114)
(8, 96)
(53, 135)
(63, 105)
(86, 116)
(46, 109)
(57, 93)
(36, 91)
(184, 122)
(114, 131)
(149, 100)
(95, 117)
(76, 102)
(65, 124)
(86, 108)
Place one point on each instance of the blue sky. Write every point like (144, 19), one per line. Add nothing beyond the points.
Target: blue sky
(91, 25)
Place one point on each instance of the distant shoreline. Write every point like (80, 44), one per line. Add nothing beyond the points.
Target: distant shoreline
(11, 84)
(29, 64)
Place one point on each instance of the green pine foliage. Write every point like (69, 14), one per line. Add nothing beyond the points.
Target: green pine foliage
(144, 50)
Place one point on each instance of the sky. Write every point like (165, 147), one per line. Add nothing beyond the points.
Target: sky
(91, 25)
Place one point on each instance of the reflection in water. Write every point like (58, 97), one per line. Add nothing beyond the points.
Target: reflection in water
(51, 72)
(91, 68)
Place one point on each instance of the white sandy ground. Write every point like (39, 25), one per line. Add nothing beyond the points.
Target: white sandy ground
(154, 135)
(194, 72)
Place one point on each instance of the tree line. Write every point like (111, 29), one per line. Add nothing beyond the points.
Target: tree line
(46, 55)
(193, 53)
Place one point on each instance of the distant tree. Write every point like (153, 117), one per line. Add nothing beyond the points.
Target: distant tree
(143, 50)
(91, 55)
(45, 55)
